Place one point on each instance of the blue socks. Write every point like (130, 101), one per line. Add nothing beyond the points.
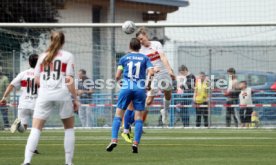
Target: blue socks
(138, 131)
(115, 127)
(131, 121)
(128, 118)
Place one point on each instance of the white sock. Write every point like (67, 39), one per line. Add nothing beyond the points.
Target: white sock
(126, 131)
(31, 144)
(166, 104)
(69, 145)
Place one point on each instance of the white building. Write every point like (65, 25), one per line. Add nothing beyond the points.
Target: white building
(92, 46)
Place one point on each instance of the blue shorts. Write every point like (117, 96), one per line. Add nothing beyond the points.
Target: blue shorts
(137, 96)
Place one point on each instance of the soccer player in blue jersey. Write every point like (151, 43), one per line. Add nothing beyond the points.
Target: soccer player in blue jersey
(135, 67)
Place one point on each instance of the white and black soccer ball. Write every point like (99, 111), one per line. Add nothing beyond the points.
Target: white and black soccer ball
(129, 27)
(21, 128)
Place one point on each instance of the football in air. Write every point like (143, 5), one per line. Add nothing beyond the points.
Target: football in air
(128, 27)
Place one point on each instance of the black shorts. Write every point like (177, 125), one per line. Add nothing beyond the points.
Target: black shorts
(245, 115)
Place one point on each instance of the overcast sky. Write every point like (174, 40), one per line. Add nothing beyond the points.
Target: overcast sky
(206, 11)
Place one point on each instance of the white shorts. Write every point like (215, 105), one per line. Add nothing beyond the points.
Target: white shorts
(25, 115)
(43, 108)
(160, 82)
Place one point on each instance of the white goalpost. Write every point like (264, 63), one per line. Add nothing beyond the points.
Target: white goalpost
(116, 25)
(209, 47)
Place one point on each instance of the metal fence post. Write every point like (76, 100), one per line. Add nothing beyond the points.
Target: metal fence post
(113, 54)
(210, 90)
(14, 90)
(172, 111)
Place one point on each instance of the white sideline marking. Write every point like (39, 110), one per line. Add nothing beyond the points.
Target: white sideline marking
(219, 128)
(149, 138)
(154, 144)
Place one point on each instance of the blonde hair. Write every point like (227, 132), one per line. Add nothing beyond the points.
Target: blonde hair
(57, 41)
(143, 31)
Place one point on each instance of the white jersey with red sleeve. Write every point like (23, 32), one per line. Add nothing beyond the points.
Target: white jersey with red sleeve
(52, 77)
(153, 52)
(25, 80)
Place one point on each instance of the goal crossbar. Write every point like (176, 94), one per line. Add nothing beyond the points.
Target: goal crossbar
(110, 25)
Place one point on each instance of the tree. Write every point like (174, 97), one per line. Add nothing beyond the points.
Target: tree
(31, 11)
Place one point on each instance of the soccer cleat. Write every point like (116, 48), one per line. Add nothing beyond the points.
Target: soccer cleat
(26, 164)
(126, 137)
(36, 152)
(15, 125)
(134, 148)
(111, 146)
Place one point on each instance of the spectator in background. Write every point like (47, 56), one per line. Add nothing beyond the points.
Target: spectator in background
(187, 84)
(232, 94)
(201, 98)
(245, 99)
(85, 95)
(254, 120)
(4, 82)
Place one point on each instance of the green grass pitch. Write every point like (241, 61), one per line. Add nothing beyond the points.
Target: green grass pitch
(158, 147)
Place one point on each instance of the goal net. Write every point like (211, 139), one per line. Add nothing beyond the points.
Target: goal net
(206, 36)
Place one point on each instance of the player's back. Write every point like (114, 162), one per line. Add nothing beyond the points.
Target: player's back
(52, 76)
(28, 96)
(135, 67)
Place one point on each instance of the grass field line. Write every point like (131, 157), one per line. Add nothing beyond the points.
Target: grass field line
(83, 138)
(155, 144)
(161, 131)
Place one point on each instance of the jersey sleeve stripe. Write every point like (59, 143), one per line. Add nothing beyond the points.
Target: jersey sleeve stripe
(63, 67)
(23, 83)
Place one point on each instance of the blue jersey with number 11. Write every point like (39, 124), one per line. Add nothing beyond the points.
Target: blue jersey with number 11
(134, 66)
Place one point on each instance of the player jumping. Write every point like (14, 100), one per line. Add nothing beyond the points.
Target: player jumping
(162, 79)
(133, 66)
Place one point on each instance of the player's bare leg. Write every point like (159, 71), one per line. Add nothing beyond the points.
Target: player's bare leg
(149, 101)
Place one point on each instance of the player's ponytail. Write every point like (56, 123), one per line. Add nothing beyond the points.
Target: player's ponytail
(57, 41)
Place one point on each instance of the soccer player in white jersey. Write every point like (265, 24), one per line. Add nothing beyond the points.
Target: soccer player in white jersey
(164, 74)
(162, 80)
(54, 73)
(25, 80)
